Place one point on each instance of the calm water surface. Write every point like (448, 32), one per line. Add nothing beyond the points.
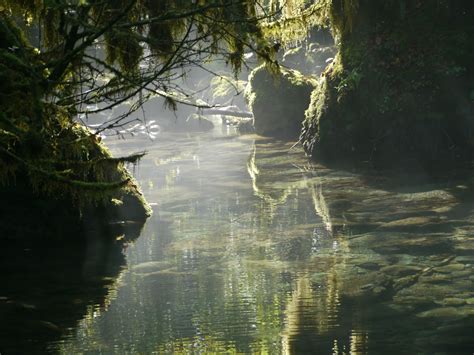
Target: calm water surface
(252, 249)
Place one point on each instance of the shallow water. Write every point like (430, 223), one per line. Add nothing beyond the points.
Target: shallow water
(252, 249)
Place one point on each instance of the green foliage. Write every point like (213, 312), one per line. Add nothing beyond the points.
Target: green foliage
(349, 82)
(296, 20)
(300, 16)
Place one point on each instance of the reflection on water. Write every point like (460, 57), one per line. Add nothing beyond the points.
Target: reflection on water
(48, 287)
(253, 250)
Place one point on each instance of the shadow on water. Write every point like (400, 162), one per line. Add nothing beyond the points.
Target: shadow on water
(47, 287)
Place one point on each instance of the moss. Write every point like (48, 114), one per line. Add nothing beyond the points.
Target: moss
(29, 217)
(398, 91)
(278, 101)
(52, 207)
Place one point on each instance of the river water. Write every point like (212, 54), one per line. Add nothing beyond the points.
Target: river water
(253, 249)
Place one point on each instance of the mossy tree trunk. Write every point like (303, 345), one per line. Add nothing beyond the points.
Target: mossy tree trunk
(400, 89)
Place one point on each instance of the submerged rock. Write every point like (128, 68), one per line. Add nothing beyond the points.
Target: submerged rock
(245, 126)
(400, 270)
(407, 223)
(470, 301)
(443, 313)
(151, 266)
(319, 278)
(451, 301)
(433, 293)
(446, 269)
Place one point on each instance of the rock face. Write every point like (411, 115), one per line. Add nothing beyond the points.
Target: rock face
(278, 102)
(392, 97)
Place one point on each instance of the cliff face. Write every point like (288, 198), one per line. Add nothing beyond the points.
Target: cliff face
(400, 89)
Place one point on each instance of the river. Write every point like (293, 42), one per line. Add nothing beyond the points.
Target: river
(254, 249)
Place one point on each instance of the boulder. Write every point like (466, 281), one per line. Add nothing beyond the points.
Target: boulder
(390, 98)
(278, 101)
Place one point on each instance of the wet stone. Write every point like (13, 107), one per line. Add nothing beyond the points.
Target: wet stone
(430, 291)
(318, 278)
(369, 266)
(462, 274)
(378, 290)
(464, 285)
(443, 209)
(401, 270)
(449, 268)
(465, 243)
(451, 301)
(467, 310)
(402, 308)
(465, 259)
(470, 301)
(443, 313)
(408, 222)
(151, 266)
(436, 278)
(407, 243)
(413, 300)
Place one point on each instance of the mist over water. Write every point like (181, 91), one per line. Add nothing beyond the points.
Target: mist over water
(253, 249)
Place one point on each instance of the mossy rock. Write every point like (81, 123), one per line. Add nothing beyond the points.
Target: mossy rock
(124, 203)
(28, 217)
(58, 210)
(351, 127)
(391, 98)
(278, 101)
